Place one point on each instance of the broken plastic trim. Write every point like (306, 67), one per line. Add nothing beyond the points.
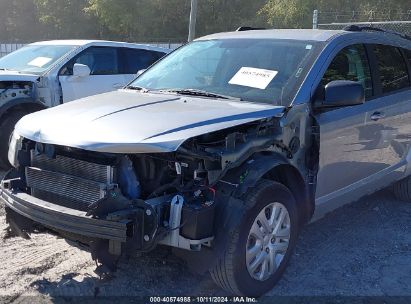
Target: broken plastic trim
(174, 239)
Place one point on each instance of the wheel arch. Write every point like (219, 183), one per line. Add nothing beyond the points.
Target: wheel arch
(273, 166)
(290, 176)
(230, 206)
(27, 105)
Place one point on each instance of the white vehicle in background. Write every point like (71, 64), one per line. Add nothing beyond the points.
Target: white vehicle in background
(50, 73)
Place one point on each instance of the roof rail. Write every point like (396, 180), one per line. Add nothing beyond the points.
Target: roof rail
(249, 28)
(360, 28)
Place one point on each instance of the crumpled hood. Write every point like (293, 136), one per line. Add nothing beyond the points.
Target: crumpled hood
(16, 76)
(132, 122)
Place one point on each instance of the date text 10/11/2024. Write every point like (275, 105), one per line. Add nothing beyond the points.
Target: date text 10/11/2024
(202, 300)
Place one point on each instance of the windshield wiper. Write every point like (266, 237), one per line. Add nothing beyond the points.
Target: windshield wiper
(137, 88)
(10, 70)
(196, 92)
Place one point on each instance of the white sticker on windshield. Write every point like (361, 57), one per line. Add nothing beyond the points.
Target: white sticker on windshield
(40, 61)
(253, 78)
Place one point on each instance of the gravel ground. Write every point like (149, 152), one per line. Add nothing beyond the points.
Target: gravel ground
(363, 249)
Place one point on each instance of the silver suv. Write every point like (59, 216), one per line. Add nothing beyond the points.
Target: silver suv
(222, 150)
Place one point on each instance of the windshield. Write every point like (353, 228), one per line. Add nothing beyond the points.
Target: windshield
(255, 70)
(34, 59)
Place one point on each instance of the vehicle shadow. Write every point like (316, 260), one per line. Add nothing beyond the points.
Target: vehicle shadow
(158, 273)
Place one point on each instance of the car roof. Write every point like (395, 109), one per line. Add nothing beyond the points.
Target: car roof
(304, 35)
(292, 34)
(82, 43)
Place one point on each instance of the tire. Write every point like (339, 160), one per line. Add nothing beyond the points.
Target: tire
(6, 129)
(231, 271)
(402, 189)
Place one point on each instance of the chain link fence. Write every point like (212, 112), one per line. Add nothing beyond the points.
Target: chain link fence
(398, 21)
(6, 48)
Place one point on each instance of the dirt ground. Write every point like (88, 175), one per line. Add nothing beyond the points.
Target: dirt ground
(363, 249)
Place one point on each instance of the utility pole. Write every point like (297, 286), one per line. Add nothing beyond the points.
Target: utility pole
(193, 20)
(315, 19)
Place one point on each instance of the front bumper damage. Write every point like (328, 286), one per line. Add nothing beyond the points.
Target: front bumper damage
(131, 229)
(62, 218)
(104, 239)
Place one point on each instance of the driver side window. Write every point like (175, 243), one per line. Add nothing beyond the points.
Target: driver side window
(100, 60)
(351, 63)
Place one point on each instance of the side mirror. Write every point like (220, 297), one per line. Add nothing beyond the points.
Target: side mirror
(81, 70)
(340, 93)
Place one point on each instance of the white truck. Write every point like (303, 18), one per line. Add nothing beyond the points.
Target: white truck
(50, 73)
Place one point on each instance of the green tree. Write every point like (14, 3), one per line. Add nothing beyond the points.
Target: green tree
(290, 13)
(298, 13)
(18, 20)
(228, 15)
(141, 20)
(67, 19)
(165, 20)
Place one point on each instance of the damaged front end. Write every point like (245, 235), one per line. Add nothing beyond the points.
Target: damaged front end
(14, 90)
(100, 204)
(116, 203)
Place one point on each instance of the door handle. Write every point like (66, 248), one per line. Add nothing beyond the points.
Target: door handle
(377, 116)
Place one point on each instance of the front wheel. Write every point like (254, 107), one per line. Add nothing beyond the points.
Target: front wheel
(262, 243)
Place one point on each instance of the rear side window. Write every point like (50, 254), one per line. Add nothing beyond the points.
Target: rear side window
(392, 68)
(351, 63)
(134, 60)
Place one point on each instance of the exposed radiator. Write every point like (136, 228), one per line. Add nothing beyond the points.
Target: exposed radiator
(68, 182)
(74, 167)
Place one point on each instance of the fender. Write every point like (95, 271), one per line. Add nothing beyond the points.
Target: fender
(247, 175)
(273, 166)
(22, 103)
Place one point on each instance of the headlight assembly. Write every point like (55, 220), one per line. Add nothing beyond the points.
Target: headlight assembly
(15, 145)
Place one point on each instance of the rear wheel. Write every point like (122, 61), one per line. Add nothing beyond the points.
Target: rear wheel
(6, 129)
(402, 189)
(261, 245)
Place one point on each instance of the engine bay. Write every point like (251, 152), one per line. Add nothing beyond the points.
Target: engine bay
(14, 90)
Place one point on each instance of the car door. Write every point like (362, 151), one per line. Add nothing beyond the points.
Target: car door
(105, 74)
(343, 159)
(134, 60)
(389, 114)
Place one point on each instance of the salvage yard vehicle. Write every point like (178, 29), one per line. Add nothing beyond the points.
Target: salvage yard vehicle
(47, 74)
(222, 150)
